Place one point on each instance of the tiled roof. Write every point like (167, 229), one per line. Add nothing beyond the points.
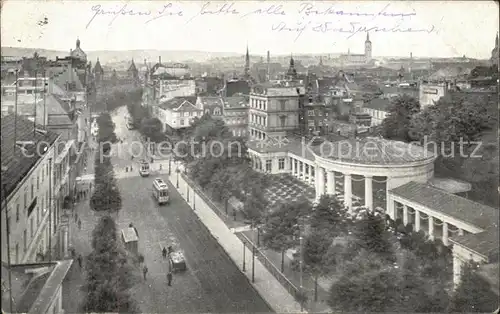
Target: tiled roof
(373, 150)
(210, 101)
(450, 204)
(16, 163)
(176, 102)
(485, 243)
(378, 104)
(235, 101)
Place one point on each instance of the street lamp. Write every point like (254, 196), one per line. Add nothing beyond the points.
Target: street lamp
(178, 171)
(244, 249)
(301, 280)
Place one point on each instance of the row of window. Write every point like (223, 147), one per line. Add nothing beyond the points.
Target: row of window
(258, 119)
(258, 104)
(235, 121)
(269, 164)
(318, 113)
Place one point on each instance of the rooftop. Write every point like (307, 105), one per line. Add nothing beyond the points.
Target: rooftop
(34, 285)
(176, 102)
(378, 104)
(449, 204)
(485, 243)
(235, 101)
(373, 151)
(16, 163)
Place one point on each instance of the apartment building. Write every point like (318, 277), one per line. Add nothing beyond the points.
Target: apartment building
(273, 110)
(177, 113)
(32, 172)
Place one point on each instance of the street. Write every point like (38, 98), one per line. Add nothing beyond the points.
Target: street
(212, 282)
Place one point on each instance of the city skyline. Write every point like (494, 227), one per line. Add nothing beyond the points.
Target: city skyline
(282, 28)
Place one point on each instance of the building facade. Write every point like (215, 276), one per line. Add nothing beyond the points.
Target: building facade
(430, 93)
(273, 110)
(177, 113)
(30, 190)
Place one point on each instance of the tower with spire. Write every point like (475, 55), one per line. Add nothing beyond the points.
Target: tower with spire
(133, 73)
(494, 53)
(368, 48)
(291, 74)
(246, 73)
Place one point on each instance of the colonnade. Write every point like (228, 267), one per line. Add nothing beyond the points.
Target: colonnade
(415, 217)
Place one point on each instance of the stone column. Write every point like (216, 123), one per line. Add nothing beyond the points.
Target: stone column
(348, 191)
(431, 227)
(293, 166)
(316, 184)
(417, 220)
(445, 233)
(311, 176)
(369, 192)
(457, 270)
(321, 178)
(330, 180)
(405, 214)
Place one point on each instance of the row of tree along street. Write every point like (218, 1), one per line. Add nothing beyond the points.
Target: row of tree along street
(110, 269)
(458, 117)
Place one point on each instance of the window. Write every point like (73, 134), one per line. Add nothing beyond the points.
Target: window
(25, 240)
(37, 215)
(283, 104)
(269, 164)
(38, 183)
(182, 122)
(281, 163)
(25, 199)
(186, 114)
(31, 227)
(217, 111)
(17, 253)
(8, 224)
(320, 113)
(17, 212)
(283, 121)
(310, 113)
(32, 190)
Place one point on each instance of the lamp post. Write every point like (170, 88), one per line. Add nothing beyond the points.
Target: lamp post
(244, 249)
(170, 166)
(178, 171)
(194, 200)
(301, 280)
(253, 263)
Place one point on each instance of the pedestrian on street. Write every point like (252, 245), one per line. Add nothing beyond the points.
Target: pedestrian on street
(169, 278)
(80, 260)
(76, 217)
(164, 252)
(73, 253)
(145, 271)
(79, 224)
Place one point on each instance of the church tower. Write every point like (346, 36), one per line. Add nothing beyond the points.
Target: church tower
(292, 72)
(247, 66)
(368, 48)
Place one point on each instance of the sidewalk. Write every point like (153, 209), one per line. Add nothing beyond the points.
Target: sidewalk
(268, 287)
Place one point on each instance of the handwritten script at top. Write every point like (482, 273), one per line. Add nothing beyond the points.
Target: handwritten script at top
(305, 12)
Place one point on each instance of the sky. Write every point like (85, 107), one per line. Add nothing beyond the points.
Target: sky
(397, 28)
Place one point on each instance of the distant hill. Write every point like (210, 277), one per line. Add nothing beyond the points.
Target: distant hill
(107, 56)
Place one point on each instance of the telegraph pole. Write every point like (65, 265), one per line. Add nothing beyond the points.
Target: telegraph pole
(50, 209)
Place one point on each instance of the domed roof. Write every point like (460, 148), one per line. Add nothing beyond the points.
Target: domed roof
(374, 151)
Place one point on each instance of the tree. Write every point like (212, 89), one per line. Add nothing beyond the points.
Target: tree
(370, 234)
(329, 215)
(473, 294)
(367, 285)
(315, 249)
(106, 130)
(109, 272)
(281, 227)
(152, 129)
(397, 124)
